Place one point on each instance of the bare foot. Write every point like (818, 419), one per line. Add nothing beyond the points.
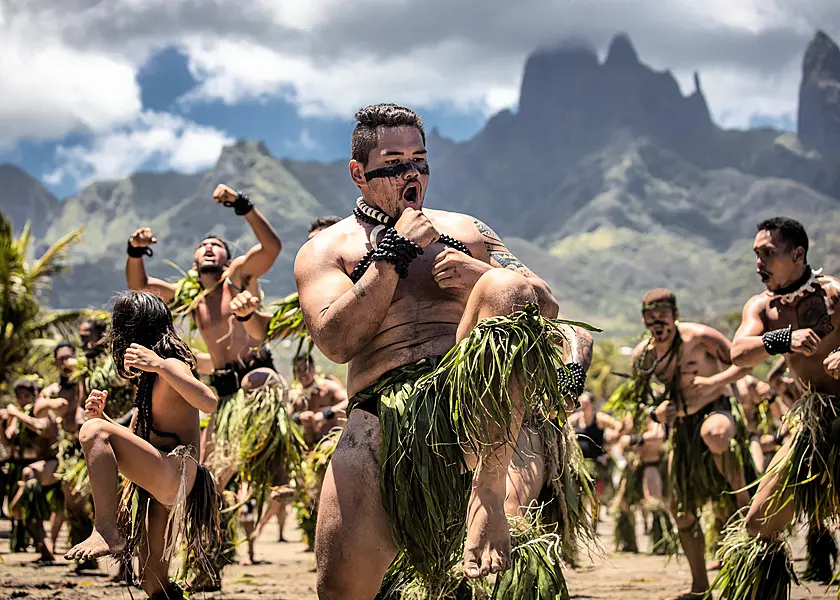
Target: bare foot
(715, 565)
(487, 549)
(98, 544)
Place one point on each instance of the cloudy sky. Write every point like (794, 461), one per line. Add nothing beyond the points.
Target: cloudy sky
(97, 89)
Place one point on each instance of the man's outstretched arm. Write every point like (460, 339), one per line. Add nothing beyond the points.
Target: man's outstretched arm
(135, 270)
(261, 257)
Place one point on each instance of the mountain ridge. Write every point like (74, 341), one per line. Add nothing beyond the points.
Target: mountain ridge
(608, 180)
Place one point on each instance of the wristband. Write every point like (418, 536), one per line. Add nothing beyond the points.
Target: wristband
(572, 379)
(296, 418)
(779, 437)
(242, 205)
(138, 251)
(245, 318)
(328, 412)
(778, 341)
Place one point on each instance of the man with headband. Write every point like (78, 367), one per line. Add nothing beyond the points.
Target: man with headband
(692, 362)
(450, 343)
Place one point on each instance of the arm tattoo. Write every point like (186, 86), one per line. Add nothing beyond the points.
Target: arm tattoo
(583, 350)
(499, 254)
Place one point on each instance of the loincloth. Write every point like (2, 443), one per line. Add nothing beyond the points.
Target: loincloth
(228, 379)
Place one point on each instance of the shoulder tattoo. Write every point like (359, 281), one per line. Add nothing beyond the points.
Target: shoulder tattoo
(499, 254)
(812, 313)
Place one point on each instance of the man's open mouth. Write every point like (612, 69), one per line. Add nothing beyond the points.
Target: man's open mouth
(764, 276)
(411, 193)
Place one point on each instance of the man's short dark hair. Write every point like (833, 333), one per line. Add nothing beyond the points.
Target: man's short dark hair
(790, 230)
(323, 222)
(220, 239)
(365, 138)
(61, 345)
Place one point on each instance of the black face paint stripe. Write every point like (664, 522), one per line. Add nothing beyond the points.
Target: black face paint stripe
(396, 170)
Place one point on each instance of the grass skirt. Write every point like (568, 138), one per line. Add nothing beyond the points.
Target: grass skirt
(430, 412)
(807, 478)
(567, 502)
(308, 483)
(255, 434)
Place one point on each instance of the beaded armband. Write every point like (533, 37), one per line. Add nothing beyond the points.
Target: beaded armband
(572, 378)
(778, 341)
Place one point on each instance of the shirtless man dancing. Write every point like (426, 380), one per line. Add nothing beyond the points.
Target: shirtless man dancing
(31, 443)
(431, 280)
(320, 402)
(796, 317)
(57, 406)
(692, 361)
(157, 455)
(229, 339)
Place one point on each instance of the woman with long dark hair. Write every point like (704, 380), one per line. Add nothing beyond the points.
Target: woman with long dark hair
(157, 454)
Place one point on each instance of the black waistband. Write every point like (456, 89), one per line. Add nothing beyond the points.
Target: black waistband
(228, 379)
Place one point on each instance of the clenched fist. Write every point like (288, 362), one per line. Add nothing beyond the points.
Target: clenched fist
(244, 303)
(832, 364)
(95, 404)
(415, 226)
(224, 194)
(142, 238)
(804, 341)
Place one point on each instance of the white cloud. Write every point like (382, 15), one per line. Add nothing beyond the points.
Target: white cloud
(50, 88)
(72, 65)
(159, 139)
(305, 141)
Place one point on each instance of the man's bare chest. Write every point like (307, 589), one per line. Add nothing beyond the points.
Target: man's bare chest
(815, 310)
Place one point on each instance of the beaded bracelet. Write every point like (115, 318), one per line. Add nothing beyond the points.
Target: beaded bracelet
(398, 251)
(778, 341)
(572, 379)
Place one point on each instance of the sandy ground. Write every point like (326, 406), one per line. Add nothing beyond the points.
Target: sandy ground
(287, 573)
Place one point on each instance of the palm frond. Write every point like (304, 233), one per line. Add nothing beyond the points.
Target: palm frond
(50, 263)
